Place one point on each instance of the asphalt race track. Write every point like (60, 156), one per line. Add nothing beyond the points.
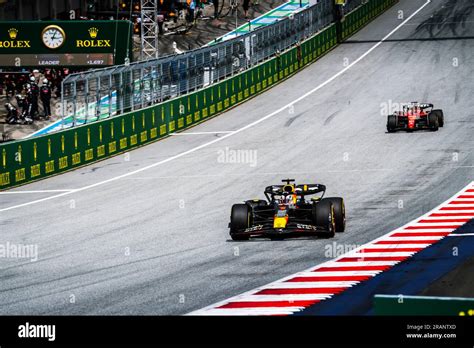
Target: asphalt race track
(156, 242)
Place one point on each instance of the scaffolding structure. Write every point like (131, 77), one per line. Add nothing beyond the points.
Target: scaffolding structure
(149, 29)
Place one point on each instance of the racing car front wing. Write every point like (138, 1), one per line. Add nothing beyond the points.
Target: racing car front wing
(291, 230)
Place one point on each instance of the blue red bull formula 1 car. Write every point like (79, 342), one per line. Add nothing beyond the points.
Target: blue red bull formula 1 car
(287, 213)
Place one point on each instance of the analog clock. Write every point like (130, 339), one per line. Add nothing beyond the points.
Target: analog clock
(53, 36)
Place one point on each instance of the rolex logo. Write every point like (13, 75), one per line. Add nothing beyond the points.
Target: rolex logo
(93, 43)
(12, 32)
(13, 43)
(93, 32)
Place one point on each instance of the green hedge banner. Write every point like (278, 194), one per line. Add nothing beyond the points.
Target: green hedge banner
(422, 305)
(362, 15)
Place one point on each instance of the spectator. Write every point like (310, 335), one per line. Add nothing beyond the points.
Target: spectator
(216, 8)
(57, 82)
(191, 8)
(33, 97)
(45, 94)
(48, 74)
(161, 19)
(245, 5)
(23, 105)
(27, 102)
(20, 83)
(9, 86)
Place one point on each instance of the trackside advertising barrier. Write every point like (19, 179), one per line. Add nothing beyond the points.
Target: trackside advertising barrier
(35, 158)
(360, 16)
(423, 305)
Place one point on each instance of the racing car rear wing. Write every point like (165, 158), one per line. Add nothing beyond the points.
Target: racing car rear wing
(300, 190)
(420, 105)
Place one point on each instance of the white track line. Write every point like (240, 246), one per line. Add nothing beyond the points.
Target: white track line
(244, 128)
(447, 219)
(382, 254)
(257, 311)
(389, 238)
(290, 297)
(432, 225)
(309, 273)
(202, 133)
(397, 246)
(318, 284)
(345, 171)
(358, 263)
(427, 229)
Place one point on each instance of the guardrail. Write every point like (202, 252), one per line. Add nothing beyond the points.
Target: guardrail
(119, 89)
(102, 93)
(35, 158)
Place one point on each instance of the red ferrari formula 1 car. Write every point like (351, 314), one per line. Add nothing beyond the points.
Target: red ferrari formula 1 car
(287, 213)
(415, 116)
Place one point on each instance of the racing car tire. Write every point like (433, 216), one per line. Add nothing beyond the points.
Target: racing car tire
(392, 123)
(440, 115)
(239, 219)
(339, 212)
(323, 216)
(433, 121)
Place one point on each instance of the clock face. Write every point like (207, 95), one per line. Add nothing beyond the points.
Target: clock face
(53, 36)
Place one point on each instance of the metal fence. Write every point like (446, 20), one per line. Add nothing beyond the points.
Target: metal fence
(101, 93)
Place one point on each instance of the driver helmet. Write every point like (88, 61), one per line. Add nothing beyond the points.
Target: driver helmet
(289, 189)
